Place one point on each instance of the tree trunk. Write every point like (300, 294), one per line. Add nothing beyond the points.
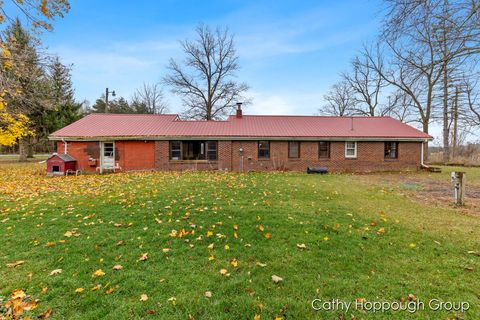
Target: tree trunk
(446, 131)
(22, 150)
(30, 149)
(425, 144)
(455, 124)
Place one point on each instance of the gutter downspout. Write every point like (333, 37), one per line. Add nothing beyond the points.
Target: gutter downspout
(65, 146)
(422, 163)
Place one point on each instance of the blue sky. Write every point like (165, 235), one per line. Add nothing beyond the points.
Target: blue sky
(290, 51)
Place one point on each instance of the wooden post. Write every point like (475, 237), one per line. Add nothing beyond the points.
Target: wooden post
(459, 179)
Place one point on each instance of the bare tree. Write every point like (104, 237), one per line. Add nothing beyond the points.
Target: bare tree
(449, 32)
(340, 100)
(207, 83)
(367, 84)
(149, 99)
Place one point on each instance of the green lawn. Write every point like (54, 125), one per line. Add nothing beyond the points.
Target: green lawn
(361, 241)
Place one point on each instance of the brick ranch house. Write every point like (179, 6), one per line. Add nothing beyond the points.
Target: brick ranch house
(245, 143)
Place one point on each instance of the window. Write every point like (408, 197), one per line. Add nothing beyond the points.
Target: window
(324, 149)
(211, 150)
(391, 150)
(55, 168)
(193, 150)
(263, 149)
(350, 149)
(294, 149)
(108, 149)
(175, 150)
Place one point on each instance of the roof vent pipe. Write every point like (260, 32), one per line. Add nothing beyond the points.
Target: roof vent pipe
(351, 123)
(239, 110)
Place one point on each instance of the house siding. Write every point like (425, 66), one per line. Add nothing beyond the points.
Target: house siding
(149, 155)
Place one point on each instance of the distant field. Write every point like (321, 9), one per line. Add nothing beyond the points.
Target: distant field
(206, 245)
(14, 158)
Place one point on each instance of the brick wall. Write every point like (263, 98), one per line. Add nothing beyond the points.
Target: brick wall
(147, 155)
(130, 155)
(370, 157)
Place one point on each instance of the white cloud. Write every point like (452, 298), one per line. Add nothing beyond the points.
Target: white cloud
(265, 103)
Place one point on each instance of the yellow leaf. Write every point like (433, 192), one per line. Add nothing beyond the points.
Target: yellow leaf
(165, 250)
(97, 287)
(109, 291)
(17, 294)
(256, 317)
(209, 233)
(143, 297)
(173, 300)
(79, 290)
(143, 257)
(223, 272)
(268, 235)
(325, 238)
(234, 262)
(301, 246)
(208, 294)
(381, 231)
(98, 273)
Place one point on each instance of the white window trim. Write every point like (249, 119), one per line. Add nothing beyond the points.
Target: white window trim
(346, 147)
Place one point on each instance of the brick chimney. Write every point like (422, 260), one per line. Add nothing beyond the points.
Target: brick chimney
(239, 110)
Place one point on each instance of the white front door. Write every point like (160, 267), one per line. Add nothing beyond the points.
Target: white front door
(108, 155)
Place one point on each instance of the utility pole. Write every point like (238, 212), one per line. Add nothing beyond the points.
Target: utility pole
(106, 98)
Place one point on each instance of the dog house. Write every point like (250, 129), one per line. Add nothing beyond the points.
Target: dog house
(61, 164)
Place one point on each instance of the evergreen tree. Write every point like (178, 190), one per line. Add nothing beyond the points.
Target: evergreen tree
(31, 95)
(65, 109)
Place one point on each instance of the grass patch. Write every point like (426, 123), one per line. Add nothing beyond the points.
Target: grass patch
(362, 241)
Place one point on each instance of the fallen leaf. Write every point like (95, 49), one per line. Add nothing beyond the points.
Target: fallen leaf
(45, 314)
(143, 297)
(97, 287)
(210, 246)
(165, 250)
(17, 294)
(55, 272)
(143, 257)
(263, 265)
(234, 262)
(98, 273)
(268, 235)
(301, 246)
(117, 267)
(109, 291)
(173, 300)
(208, 294)
(223, 271)
(276, 279)
(79, 290)
(15, 264)
(381, 231)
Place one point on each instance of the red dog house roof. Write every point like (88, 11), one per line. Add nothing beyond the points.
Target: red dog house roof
(130, 126)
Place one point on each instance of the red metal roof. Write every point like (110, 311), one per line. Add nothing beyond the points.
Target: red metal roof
(142, 126)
